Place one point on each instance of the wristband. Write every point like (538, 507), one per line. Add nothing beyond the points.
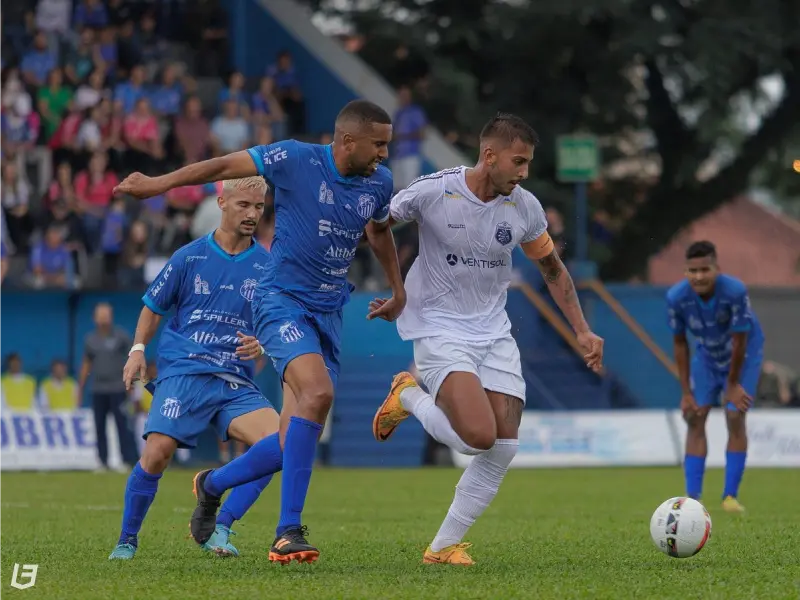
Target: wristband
(136, 348)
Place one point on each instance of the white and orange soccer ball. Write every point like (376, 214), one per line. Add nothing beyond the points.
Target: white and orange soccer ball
(680, 527)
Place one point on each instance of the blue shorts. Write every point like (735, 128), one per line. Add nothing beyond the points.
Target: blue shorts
(708, 383)
(184, 406)
(287, 330)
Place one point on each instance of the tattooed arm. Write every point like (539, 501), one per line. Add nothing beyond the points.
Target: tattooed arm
(559, 282)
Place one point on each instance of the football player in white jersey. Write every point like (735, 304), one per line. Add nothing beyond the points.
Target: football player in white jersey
(470, 220)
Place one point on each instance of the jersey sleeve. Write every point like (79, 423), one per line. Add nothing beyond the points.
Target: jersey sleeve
(277, 162)
(675, 320)
(163, 293)
(405, 206)
(381, 214)
(537, 221)
(741, 313)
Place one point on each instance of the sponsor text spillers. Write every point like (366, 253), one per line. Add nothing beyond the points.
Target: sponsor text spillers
(206, 315)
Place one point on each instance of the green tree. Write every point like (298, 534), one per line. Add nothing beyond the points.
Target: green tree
(661, 82)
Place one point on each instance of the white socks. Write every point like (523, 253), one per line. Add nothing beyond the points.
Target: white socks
(475, 490)
(435, 422)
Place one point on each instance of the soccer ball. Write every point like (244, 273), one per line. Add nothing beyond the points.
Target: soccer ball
(680, 527)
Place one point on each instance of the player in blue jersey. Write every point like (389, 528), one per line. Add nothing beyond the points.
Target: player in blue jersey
(729, 344)
(326, 197)
(205, 361)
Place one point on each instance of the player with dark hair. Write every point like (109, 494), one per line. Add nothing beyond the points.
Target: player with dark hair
(326, 197)
(470, 221)
(729, 350)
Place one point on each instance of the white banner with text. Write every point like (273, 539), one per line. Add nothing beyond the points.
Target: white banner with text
(43, 441)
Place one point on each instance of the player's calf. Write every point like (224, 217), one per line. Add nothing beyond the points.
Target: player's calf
(735, 459)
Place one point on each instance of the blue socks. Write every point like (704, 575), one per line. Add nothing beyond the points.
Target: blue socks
(264, 458)
(240, 500)
(694, 467)
(139, 495)
(734, 469)
(300, 450)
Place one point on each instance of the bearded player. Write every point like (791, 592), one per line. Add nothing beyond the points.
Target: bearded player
(470, 220)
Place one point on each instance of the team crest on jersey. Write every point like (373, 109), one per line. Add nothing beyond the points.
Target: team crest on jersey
(248, 289)
(290, 332)
(723, 316)
(366, 205)
(503, 233)
(325, 194)
(171, 408)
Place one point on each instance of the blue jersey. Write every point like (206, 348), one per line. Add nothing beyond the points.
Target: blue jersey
(713, 322)
(212, 293)
(320, 217)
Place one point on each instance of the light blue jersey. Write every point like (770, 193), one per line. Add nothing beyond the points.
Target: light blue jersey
(712, 323)
(320, 218)
(212, 293)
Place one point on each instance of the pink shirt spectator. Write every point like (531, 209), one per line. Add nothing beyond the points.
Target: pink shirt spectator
(140, 129)
(185, 197)
(96, 193)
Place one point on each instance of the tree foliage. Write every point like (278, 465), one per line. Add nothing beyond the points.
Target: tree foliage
(662, 82)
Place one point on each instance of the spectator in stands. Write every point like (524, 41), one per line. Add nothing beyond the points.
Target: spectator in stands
(53, 17)
(20, 124)
(289, 92)
(58, 391)
(61, 189)
(106, 52)
(207, 32)
(19, 388)
(90, 13)
(129, 48)
(134, 256)
(51, 263)
(142, 135)
(234, 91)
(61, 216)
(557, 231)
(94, 189)
(3, 259)
(409, 126)
(153, 46)
(192, 133)
(267, 109)
(104, 355)
(53, 100)
(113, 239)
(111, 128)
(64, 142)
(409, 69)
(119, 11)
(81, 60)
(16, 206)
(166, 98)
(229, 131)
(90, 93)
(131, 91)
(90, 134)
(38, 62)
(18, 26)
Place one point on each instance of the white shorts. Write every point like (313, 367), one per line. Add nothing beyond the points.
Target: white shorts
(496, 363)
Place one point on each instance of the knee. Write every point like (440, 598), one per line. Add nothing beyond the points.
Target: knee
(317, 398)
(158, 451)
(736, 424)
(481, 439)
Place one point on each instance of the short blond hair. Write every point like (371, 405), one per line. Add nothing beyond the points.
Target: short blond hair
(255, 183)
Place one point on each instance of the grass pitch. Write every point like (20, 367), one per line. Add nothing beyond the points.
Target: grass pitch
(550, 534)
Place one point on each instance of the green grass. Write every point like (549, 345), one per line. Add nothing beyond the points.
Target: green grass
(550, 534)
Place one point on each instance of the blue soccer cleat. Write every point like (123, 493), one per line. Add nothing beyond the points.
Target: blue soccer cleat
(219, 542)
(123, 552)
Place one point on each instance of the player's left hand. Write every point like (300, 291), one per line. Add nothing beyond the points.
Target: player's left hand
(735, 394)
(387, 309)
(249, 348)
(592, 345)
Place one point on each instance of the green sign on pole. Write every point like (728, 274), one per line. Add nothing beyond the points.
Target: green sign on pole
(577, 158)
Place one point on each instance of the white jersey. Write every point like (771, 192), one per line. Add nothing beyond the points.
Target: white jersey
(457, 285)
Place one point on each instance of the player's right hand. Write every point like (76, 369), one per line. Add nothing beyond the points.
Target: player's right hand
(688, 404)
(592, 345)
(139, 186)
(136, 365)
